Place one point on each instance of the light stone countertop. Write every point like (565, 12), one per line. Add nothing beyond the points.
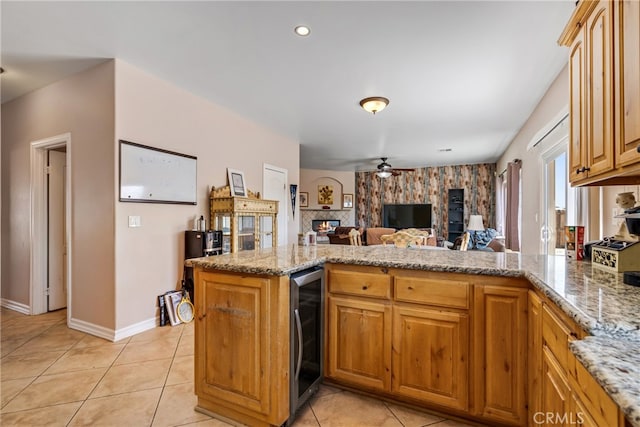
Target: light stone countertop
(596, 299)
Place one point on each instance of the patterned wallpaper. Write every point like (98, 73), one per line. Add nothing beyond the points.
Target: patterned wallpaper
(428, 185)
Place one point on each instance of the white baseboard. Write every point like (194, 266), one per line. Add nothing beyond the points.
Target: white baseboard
(110, 334)
(136, 328)
(15, 306)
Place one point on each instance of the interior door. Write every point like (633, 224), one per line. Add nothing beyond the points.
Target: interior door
(57, 253)
(275, 188)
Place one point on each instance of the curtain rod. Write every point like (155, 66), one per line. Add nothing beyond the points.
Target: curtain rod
(501, 174)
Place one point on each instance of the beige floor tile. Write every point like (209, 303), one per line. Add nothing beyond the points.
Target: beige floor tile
(79, 359)
(159, 333)
(58, 415)
(91, 341)
(27, 365)
(454, 423)
(147, 350)
(212, 422)
(133, 377)
(188, 329)
(56, 338)
(50, 390)
(128, 409)
(25, 330)
(10, 388)
(349, 409)
(176, 407)
(412, 418)
(186, 345)
(181, 370)
(325, 390)
(9, 346)
(305, 418)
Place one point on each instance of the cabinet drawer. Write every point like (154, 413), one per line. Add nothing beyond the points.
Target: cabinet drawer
(360, 283)
(556, 335)
(599, 405)
(446, 293)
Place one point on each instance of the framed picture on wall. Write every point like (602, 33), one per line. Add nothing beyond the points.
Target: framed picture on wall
(347, 201)
(237, 183)
(304, 199)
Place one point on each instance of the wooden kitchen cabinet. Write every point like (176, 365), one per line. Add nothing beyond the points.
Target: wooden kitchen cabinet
(500, 352)
(627, 81)
(431, 356)
(242, 346)
(559, 384)
(604, 84)
(359, 342)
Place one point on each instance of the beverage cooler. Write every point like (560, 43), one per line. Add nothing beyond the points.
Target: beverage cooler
(198, 244)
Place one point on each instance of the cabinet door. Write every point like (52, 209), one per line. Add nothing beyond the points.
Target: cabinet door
(556, 405)
(359, 342)
(535, 353)
(431, 356)
(500, 342)
(627, 81)
(242, 344)
(577, 123)
(599, 30)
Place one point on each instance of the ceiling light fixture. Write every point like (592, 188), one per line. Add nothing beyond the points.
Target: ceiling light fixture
(374, 104)
(383, 174)
(302, 30)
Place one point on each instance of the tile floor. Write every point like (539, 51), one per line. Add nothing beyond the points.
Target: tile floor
(51, 375)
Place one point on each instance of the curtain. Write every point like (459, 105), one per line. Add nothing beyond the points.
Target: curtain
(512, 219)
(501, 206)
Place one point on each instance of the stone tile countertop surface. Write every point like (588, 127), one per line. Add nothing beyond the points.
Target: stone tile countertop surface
(596, 299)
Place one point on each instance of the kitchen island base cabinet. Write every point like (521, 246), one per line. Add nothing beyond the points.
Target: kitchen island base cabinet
(242, 346)
(359, 335)
(430, 356)
(500, 341)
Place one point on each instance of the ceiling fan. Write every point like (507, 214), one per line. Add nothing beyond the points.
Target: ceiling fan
(385, 170)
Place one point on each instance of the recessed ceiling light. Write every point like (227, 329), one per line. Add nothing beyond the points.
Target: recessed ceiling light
(445, 150)
(302, 30)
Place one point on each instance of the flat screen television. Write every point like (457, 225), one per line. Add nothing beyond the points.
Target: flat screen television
(417, 215)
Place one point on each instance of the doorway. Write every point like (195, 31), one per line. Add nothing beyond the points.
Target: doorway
(50, 286)
(275, 188)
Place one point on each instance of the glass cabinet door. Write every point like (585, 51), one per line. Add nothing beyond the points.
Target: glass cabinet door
(223, 223)
(246, 232)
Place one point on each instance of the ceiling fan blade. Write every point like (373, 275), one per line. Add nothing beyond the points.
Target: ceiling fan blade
(404, 169)
(395, 172)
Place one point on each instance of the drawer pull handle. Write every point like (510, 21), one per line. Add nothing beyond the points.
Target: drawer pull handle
(365, 287)
(410, 288)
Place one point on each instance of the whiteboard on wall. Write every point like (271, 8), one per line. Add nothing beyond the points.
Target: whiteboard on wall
(153, 175)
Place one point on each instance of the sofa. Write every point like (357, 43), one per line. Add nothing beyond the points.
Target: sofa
(340, 235)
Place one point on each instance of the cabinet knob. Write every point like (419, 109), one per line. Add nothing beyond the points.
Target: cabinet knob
(638, 148)
(365, 287)
(202, 317)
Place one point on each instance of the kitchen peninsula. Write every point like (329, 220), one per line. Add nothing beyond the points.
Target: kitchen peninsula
(498, 338)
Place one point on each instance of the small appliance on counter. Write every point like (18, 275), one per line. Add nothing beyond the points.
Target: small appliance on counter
(198, 244)
(620, 253)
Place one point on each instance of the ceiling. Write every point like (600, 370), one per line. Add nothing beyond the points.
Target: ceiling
(460, 75)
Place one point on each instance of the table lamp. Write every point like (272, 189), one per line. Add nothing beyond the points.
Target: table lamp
(475, 225)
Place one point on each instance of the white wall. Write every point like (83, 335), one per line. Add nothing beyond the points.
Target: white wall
(554, 101)
(82, 105)
(150, 111)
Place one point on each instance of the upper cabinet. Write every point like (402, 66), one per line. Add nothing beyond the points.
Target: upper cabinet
(604, 84)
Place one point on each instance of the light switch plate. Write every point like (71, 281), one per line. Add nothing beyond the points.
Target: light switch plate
(134, 221)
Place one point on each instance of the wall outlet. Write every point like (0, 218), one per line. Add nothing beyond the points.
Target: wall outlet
(134, 221)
